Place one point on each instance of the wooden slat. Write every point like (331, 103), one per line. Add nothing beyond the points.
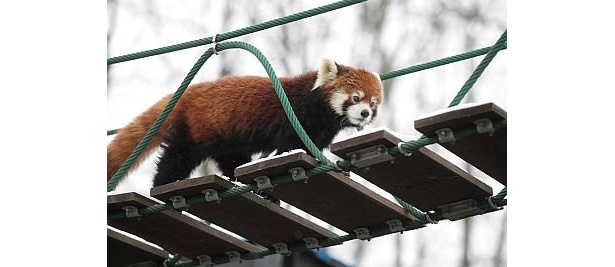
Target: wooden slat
(123, 250)
(424, 180)
(172, 230)
(248, 215)
(332, 197)
(487, 153)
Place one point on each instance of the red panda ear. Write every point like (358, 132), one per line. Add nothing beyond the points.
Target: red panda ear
(326, 73)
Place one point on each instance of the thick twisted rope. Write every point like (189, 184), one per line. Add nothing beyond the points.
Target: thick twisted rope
(235, 33)
(416, 68)
(499, 45)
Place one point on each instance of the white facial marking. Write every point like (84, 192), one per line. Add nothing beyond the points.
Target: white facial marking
(354, 113)
(337, 101)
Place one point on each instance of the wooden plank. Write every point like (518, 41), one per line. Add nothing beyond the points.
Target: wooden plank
(123, 250)
(332, 197)
(424, 180)
(172, 230)
(248, 215)
(485, 152)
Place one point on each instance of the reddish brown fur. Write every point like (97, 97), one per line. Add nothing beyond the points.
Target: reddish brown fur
(129, 137)
(232, 105)
(358, 79)
(225, 106)
(228, 106)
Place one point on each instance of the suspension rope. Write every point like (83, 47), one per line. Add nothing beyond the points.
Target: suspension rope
(416, 68)
(235, 33)
(479, 70)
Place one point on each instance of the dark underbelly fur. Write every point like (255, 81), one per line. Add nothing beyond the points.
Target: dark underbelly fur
(181, 155)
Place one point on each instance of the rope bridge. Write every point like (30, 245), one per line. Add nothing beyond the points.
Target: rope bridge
(491, 203)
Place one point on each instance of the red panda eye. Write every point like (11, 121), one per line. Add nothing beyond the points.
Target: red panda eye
(372, 104)
(356, 98)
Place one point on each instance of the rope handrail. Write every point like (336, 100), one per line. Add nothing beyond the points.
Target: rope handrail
(415, 68)
(479, 69)
(236, 33)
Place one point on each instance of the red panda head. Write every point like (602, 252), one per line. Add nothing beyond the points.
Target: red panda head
(355, 94)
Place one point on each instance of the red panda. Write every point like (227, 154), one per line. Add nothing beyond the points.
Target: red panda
(230, 119)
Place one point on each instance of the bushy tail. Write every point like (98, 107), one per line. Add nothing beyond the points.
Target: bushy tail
(129, 137)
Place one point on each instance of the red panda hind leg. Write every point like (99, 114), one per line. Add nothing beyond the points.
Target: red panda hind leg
(180, 155)
(228, 162)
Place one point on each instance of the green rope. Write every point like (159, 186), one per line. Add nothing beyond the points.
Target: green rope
(197, 66)
(290, 114)
(300, 246)
(112, 132)
(322, 168)
(412, 146)
(158, 123)
(479, 70)
(498, 199)
(416, 68)
(235, 33)
(490, 51)
(436, 63)
(408, 146)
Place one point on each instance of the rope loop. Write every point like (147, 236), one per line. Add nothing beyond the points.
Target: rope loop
(215, 44)
(402, 150)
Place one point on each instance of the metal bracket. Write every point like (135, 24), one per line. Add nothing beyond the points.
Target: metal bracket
(281, 248)
(395, 225)
(233, 256)
(445, 135)
(211, 195)
(484, 126)
(298, 173)
(369, 156)
(362, 233)
(263, 182)
(179, 202)
(131, 211)
(461, 209)
(204, 260)
(311, 242)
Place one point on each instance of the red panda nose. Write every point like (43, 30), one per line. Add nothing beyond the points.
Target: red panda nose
(365, 113)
